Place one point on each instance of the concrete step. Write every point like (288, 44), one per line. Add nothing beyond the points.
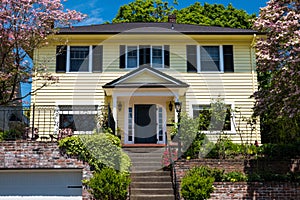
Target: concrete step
(147, 164)
(142, 169)
(156, 173)
(151, 191)
(151, 179)
(151, 185)
(152, 197)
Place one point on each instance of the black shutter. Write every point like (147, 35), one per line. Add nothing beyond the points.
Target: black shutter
(144, 57)
(97, 58)
(191, 58)
(166, 56)
(61, 58)
(122, 56)
(228, 58)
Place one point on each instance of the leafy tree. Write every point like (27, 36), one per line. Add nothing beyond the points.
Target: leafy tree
(208, 14)
(24, 26)
(144, 11)
(278, 66)
(214, 15)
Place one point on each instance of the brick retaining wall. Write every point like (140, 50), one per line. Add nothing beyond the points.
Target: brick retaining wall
(40, 155)
(255, 190)
(244, 190)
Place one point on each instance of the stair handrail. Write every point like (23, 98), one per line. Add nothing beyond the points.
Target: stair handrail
(173, 172)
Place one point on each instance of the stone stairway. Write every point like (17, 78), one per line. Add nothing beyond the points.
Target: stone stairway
(148, 180)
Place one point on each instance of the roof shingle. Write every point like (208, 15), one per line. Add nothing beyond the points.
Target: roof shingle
(154, 28)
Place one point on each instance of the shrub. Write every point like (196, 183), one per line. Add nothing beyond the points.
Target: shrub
(12, 135)
(99, 150)
(235, 177)
(197, 184)
(109, 184)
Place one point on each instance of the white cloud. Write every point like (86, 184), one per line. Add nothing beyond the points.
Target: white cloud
(91, 21)
(93, 11)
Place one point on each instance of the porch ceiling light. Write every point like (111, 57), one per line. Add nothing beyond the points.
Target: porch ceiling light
(178, 106)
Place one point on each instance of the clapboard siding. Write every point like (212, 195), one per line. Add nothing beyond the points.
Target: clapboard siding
(86, 88)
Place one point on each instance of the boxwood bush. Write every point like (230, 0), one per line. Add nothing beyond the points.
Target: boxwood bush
(197, 184)
(108, 184)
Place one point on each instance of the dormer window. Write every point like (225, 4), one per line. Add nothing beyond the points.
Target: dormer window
(156, 56)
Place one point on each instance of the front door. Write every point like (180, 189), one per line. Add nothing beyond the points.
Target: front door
(145, 123)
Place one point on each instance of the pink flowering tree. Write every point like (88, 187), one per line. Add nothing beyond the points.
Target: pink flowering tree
(278, 63)
(24, 26)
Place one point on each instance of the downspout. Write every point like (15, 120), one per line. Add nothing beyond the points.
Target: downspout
(252, 68)
(34, 86)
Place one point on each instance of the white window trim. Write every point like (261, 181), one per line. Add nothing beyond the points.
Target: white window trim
(126, 124)
(232, 117)
(68, 67)
(220, 56)
(138, 56)
(71, 112)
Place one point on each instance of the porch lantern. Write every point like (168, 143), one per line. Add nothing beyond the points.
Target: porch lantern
(119, 106)
(170, 106)
(178, 110)
(178, 107)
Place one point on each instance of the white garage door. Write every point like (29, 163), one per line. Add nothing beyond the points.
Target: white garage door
(45, 184)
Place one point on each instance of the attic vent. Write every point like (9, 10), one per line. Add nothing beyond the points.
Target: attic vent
(172, 19)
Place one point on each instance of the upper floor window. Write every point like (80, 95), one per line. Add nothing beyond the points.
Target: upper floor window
(79, 58)
(210, 58)
(134, 56)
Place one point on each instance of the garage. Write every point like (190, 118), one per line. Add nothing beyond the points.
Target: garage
(41, 184)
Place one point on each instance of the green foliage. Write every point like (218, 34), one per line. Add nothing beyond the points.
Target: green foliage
(99, 150)
(268, 176)
(279, 151)
(277, 130)
(109, 184)
(12, 134)
(215, 15)
(197, 184)
(188, 130)
(235, 177)
(198, 181)
(144, 11)
(208, 14)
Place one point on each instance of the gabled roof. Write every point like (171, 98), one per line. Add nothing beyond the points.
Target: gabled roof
(152, 78)
(154, 28)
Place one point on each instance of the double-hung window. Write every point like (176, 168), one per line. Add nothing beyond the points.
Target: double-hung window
(214, 120)
(156, 56)
(79, 58)
(209, 58)
(132, 56)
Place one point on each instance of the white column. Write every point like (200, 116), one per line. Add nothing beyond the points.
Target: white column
(114, 111)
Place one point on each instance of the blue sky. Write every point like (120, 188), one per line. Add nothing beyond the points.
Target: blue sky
(100, 11)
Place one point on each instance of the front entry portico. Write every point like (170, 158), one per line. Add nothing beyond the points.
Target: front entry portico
(140, 102)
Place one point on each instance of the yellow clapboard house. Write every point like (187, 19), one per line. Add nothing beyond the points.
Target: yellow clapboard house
(139, 71)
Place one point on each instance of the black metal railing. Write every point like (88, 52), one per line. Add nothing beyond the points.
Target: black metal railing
(52, 122)
(172, 160)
